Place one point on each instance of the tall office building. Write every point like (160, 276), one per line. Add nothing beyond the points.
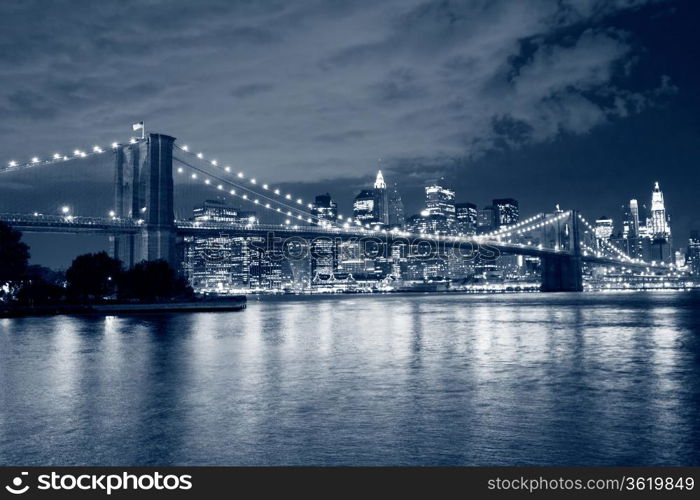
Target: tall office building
(486, 220)
(603, 229)
(381, 200)
(634, 219)
(466, 215)
(507, 212)
(363, 206)
(440, 201)
(396, 210)
(693, 253)
(659, 227)
(371, 206)
(325, 208)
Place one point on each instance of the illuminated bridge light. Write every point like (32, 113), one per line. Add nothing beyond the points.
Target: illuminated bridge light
(240, 175)
(200, 155)
(233, 191)
(115, 145)
(227, 168)
(185, 147)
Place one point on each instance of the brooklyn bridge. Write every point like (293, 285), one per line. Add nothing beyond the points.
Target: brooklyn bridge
(140, 214)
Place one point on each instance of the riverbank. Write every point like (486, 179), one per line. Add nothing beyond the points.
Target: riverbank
(225, 304)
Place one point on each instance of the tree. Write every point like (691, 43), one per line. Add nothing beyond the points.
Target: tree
(14, 255)
(152, 280)
(93, 275)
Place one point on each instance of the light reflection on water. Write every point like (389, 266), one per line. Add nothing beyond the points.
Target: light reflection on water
(559, 379)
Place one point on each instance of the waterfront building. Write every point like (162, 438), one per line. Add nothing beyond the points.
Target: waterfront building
(219, 211)
(227, 263)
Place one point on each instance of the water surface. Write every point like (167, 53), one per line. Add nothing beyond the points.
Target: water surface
(558, 379)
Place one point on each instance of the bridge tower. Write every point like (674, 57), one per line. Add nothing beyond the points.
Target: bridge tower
(564, 272)
(143, 177)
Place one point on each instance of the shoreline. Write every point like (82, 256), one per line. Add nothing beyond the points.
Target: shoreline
(228, 304)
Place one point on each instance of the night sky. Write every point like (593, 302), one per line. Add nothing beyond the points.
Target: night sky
(580, 102)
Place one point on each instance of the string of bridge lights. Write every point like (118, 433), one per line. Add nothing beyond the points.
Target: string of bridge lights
(669, 273)
(296, 211)
(264, 186)
(346, 225)
(36, 161)
(622, 255)
(521, 228)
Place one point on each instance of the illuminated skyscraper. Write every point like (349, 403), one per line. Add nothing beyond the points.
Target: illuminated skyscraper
(396, 211)
(634, 219)
(507, 212)
(659, 227)
(603, 228)
(693, 253)
(363, 206)
(381, 203)
(325, 208)
(466, 217)
(371, 206)
(440, 201)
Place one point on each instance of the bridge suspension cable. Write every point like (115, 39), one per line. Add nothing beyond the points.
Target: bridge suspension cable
(253, 181)
(56, 158)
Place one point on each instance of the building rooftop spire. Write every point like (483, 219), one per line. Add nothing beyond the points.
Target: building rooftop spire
(379, 183)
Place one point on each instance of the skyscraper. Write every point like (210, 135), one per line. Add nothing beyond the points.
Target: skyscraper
(363, 206)
(371, 206)
(396, 210)
(466, 215)
(693, 253)
(381, 203)
(325, 208)
(634, 219)
(486, 219)
(659, 227)
(603, 228)
(440, 201)
(507, 212)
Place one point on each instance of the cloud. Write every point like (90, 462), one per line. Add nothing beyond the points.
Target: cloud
(250, 89)
(277, 86)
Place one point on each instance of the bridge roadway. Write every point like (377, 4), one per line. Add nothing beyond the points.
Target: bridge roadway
(41, 223)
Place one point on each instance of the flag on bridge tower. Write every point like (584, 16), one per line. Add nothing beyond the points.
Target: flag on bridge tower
(139, 126)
